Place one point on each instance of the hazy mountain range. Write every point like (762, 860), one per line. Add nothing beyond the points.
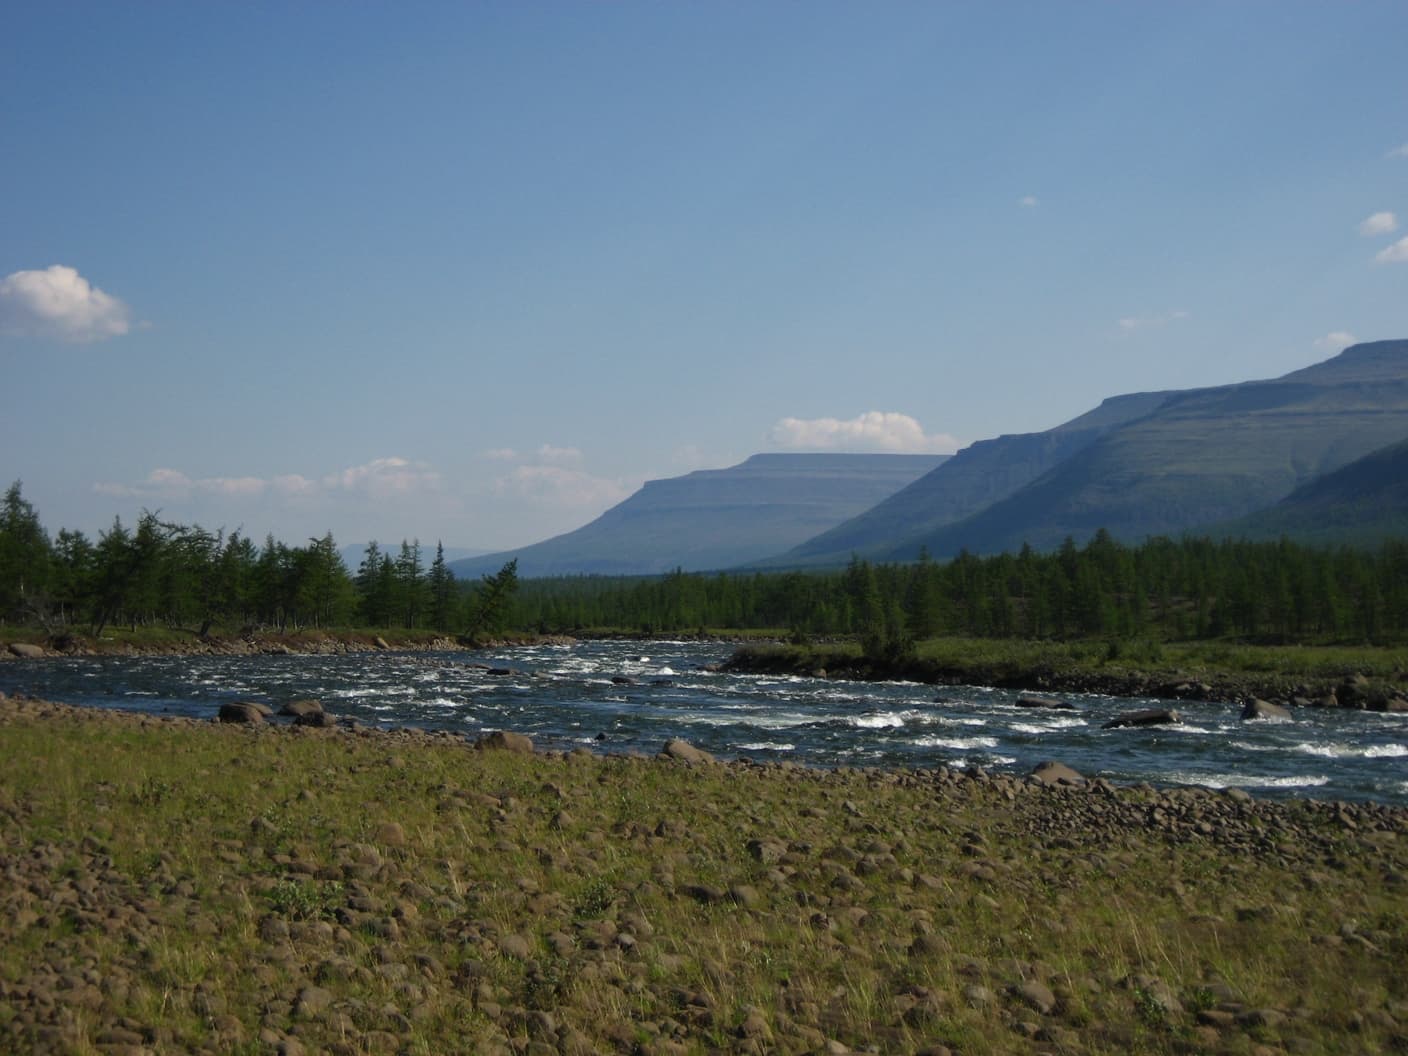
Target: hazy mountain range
(1319, 454)
(718, 518)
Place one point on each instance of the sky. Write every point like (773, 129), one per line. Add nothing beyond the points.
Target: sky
(473, 272)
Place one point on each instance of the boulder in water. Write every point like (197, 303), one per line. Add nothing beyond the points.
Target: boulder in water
(1147, 717)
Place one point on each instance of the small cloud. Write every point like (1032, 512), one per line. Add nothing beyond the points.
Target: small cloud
(1028, 201)
(548, 453)
(1398, 152)
(1394, 254)
(385, 478)
(1378, 224)
(59, 303)
(1134, 323)
(1336, 340)
(872, 431)
(163, 483)
(562, 487)
(294, 484)
(501, 454)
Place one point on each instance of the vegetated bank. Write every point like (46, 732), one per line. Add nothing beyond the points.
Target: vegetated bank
(1369, 678)
(176, 885)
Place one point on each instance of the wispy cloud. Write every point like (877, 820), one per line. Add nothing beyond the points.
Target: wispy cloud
(1379, 224)
(549, 453)
(59, 303)
(1398, 152)
(1336, 340)
(871, 431)
(1394, 254)
(1028, 201)
(381, 478)
(560, 486)
(1131, 324)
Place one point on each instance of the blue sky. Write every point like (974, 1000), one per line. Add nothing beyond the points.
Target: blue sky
(474, 271)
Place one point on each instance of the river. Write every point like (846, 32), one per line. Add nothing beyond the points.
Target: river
(564, 696)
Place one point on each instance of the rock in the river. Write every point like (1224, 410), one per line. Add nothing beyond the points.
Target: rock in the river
(1147, 717)
(1264, 709)
(1050, 703)
(26, 650)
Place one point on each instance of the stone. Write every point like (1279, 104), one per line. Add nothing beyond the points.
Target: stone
(296, 709)
(1050, 703)
(1147, 717)
(1036, 995)
(1054, 773)
(241, 711)
(1263, 709)
(682, 751)
(507, 741)
(311, 1001)
(391, 834)
(26, 650)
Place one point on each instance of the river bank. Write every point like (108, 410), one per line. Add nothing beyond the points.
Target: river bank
(182, 885)
(1341, 686)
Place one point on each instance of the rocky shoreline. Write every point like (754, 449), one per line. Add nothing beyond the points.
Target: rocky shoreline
(312, 643)
(1353, 691)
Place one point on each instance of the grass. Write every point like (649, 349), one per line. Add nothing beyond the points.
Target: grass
(1272, 670)
(208, 876)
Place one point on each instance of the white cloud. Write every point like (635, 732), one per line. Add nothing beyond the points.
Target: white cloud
(57, 302)
(501, 454)
(1378, 224)
(871, 431)
(1028, 201)
(163, 483)
(382, 478)
(1336, 340)
(1394, 254)
(559, 486)
(548, 453)
(1398, 152)
(1132, 323)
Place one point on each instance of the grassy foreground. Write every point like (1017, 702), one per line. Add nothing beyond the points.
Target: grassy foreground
(177, 886)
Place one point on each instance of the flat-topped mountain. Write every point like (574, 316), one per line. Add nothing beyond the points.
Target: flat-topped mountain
(717, 518)
(975, 478)
(1199, 457)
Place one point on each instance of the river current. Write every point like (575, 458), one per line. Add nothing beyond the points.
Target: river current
(564, 696)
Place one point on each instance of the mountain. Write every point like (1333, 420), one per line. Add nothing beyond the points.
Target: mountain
(1200, 457)
(717, 518)
(1362, 503)
(975, 478)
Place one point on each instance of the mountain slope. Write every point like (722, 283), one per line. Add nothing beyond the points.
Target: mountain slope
(1202, 456)
(976, 477)
(717, 518)
(1362, 503)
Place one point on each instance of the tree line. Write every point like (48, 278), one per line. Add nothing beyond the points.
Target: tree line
(163, 573)
(1191, 588)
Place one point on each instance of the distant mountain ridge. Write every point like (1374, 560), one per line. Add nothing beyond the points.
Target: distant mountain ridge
(717, 518)
(976, 477)
(1200, 457)
(1363, 503)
